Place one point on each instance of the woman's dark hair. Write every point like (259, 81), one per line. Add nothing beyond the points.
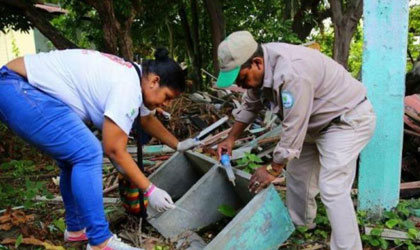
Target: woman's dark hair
(170, 73)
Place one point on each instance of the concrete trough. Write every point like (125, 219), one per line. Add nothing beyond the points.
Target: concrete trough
(199, 186)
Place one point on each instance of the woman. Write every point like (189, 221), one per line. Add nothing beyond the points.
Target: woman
(47, 97)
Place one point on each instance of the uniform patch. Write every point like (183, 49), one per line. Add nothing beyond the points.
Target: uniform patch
(287, 99)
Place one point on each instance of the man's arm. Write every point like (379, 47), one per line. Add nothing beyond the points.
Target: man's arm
(237, 129)
(244, 115)
(155, 128)
(298, 96)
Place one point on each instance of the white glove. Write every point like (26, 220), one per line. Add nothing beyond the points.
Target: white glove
(187, 144)
(159, 199)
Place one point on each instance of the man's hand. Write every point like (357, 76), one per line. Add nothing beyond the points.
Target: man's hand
(262, 178)
(225, 146)
(187, 144)
(159, 199)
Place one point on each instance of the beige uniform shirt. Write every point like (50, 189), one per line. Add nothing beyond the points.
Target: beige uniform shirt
(306, 89)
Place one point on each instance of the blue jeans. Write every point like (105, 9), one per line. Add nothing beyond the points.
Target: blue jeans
(55, 129)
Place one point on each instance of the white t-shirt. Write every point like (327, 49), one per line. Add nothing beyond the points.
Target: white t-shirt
(92, 83)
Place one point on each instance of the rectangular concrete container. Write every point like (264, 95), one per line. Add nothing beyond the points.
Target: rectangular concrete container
(199, 186)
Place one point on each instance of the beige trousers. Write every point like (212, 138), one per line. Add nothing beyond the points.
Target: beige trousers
(327, 166)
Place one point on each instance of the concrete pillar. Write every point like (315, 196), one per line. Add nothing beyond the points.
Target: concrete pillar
(383, 72)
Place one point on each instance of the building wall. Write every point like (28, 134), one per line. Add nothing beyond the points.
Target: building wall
(14, 44)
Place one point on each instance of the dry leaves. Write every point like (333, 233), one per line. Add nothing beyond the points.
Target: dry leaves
(14, 218)
(33, 241)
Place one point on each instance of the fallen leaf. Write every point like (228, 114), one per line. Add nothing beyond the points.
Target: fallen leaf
(8, 241)
(6, 226)
(33, 241)
(19, 217)
(52, 247)
(5, 218)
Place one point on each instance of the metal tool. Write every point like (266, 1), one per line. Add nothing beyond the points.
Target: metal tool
(210, 128)
(225, 160)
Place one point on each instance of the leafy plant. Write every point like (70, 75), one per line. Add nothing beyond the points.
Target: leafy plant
(249, 162)
(15, 49)
(12, 196)
(19, 240)
(227, 210)
(49, 168)
(31, 190)
(396, 219)
(60, 224)
(160, 247)
(375, 238)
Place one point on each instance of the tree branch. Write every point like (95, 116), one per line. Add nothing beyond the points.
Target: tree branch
(39, 21)
(301, 27)
(110, 24)
(137, 6)
(337, 10)
(355, 10)
(217, 23)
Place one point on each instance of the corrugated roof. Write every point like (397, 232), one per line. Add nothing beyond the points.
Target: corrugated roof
(51, 8)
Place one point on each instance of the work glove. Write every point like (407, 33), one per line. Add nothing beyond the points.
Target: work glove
(158, 199)
(187, 144)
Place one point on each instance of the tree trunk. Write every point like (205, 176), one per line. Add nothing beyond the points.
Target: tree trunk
(345, 24)
(125, 42)
(189, 41)
(170, 37)
(39, 21)
(196, 44)
(300, 25)
(110, 24)
(187, 31)
(341, 48)
(117, 33)
(125, 39)
(217, 25)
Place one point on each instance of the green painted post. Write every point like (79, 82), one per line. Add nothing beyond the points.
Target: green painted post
(383, 73)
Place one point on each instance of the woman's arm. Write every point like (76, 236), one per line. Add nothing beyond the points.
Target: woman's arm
(155, 128)
(115, 141)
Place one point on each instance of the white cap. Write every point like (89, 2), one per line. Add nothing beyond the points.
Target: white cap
(234, 51)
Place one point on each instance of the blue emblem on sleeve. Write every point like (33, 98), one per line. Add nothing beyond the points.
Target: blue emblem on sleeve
(287, 99)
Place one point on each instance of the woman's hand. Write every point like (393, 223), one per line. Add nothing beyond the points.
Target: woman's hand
(159, 199)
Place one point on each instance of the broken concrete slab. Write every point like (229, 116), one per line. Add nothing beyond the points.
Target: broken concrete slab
(263, 224)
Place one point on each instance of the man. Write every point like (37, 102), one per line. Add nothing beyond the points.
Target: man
(326, 122)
